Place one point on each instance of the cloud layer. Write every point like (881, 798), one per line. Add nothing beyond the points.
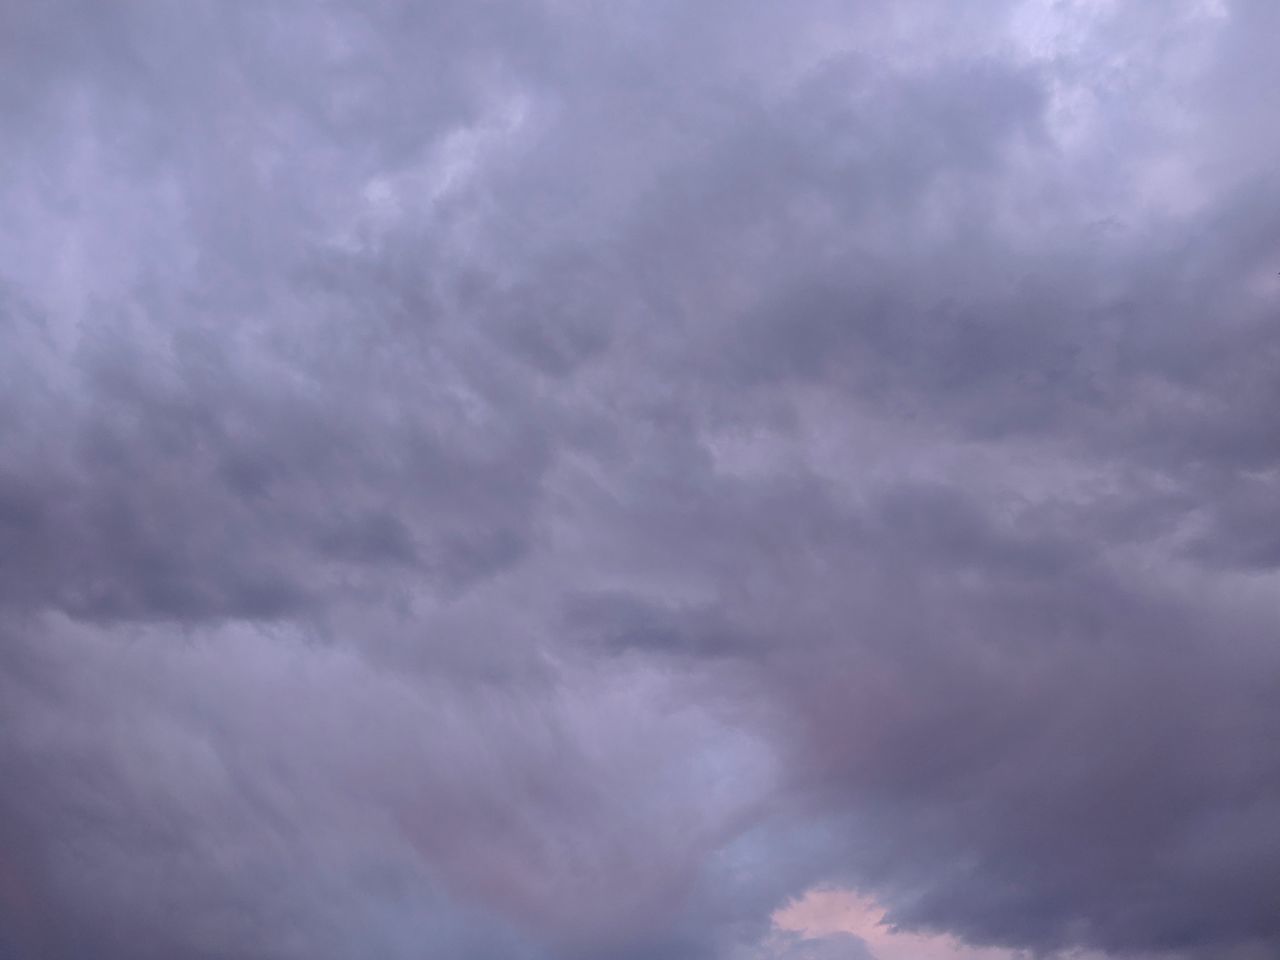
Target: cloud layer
(560, 480)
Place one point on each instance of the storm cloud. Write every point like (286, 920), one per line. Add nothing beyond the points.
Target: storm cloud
(658, 480)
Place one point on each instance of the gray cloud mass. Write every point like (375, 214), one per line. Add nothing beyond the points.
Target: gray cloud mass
(557, 480)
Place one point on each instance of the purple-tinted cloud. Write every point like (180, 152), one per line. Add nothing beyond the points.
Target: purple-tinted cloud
(562, 481)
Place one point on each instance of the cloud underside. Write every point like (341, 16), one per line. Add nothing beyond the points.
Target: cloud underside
(561, 480)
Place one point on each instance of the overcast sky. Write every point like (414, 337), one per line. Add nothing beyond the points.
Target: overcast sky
(639, 480)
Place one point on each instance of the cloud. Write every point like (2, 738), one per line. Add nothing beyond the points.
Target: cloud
(554, 480)
(833, 916)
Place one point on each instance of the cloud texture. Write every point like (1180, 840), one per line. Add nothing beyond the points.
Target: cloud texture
(558, 480)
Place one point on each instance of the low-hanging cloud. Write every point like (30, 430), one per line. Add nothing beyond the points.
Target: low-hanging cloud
(558, 480)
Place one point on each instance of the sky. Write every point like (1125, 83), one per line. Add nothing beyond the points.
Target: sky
(639, 480)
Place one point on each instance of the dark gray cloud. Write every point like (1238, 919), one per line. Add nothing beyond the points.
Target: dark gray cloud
(558, 480)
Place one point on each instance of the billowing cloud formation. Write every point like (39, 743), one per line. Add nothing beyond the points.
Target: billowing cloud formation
(560, 480)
